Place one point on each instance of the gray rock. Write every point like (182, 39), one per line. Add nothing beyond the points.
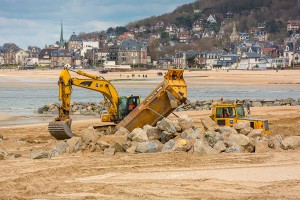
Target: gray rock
(256, 104)
(203, 148)
(131, 150)
(109, 151)
(246, 130)
(226, 131)
(182, 145)
(102, 144)
(74, 144)
(177, 127)
(185, 122)
(166, 125)
(261, 146)
(59, 149)
(166, 136)
(122, 131)
(186, 133)
(153, 133)
(212, 137)
(168, 146)
(255, 133)
(276, 141)
(3, 152)
(119, 147)
(220, 146)
(241, 125)
(138, 135)
(39, 154)
(147, 147)
(291, 142)
(89, 135)
(233, 149)
(208, 123)
(239, 139)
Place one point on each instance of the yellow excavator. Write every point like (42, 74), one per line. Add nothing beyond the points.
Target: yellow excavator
(126, 111)
(228, 114)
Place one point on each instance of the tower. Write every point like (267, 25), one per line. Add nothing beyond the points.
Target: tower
(234, 37)
(61, 41)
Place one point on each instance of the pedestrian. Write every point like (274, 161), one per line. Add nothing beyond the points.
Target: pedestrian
(248, 104)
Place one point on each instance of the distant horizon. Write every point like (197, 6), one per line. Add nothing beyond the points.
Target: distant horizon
(38, 23)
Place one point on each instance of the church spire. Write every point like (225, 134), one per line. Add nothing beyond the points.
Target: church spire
(61, 41)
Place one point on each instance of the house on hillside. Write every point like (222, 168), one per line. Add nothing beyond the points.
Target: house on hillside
(45, 58)
(228, 61)
(197, 25)
(293, 25)
(61, 57)
(9, 53)
(212, 19)
(249, 60)
(74, 42)
(184, 37)
(21, 56)
(132, 52)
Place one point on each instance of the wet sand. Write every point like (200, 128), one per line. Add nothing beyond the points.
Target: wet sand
(84, 175)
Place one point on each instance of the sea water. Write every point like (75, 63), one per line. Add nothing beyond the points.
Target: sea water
(26, 100)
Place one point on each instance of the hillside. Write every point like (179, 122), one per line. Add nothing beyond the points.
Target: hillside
(248, 13)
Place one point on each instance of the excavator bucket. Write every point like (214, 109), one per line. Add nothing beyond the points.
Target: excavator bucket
(61, 130)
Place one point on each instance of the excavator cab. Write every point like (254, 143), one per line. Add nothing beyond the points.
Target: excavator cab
(126, 105)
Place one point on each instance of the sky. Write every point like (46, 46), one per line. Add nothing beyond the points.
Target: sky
(38, 22)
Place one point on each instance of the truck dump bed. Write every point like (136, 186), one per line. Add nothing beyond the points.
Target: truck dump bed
(160, 103)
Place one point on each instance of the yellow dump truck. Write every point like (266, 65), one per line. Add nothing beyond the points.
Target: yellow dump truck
(228, 114)
(125, 111)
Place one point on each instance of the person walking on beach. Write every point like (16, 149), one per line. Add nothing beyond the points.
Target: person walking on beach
(248, 104)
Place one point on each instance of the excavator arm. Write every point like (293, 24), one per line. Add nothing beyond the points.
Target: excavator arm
(60, 126)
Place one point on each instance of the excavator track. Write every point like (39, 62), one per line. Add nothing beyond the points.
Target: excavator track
(61, 130)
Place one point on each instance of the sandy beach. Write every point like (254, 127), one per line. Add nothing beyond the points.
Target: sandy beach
(85, 175)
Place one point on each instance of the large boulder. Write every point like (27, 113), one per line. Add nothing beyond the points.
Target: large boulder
(255, 133)
(166, 125)
(39, 154)
(74, 144)
(109, 151)
(291, 142)
(261, 146)
(122, 131)
(241, 125)
(226, 131)
(153, 133)
(212, 137)
(246, 130)
(209, 124)
(166, 136)
(275, 141)
(147, 147)
(239, 139)
(203, 148)
(89, 135)
(220, 146)
(185, 122)
(59, 149)
(182, 145)
(186, 133)
(138, 135)
(168, 146)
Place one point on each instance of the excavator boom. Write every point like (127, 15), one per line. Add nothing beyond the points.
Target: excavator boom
(60, 127)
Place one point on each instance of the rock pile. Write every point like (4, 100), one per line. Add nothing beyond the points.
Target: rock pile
(206, 105)
(92, 108)
(179, 135)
